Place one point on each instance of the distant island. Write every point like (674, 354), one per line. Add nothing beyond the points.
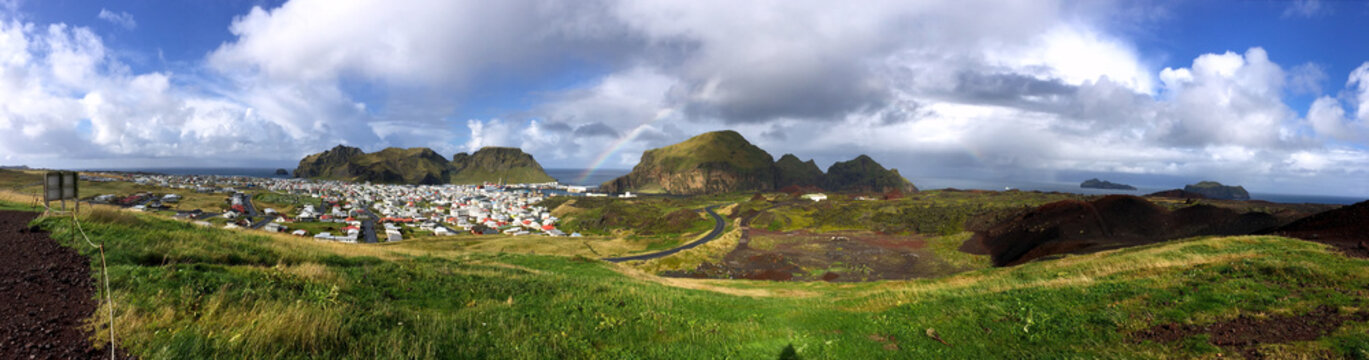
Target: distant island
(724, 161)
(1215, 190)
(423, 166)
(1102, 184)
(282, 172)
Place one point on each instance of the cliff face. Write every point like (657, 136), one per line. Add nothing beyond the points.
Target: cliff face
(714, 162)
(1215, 190)
(724, 161)
(865, 175)
(422, 166)
(329, 164)
(1103, 184)
(789, 170)
(492, 164)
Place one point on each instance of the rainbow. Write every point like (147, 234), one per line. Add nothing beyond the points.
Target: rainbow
(619, 143)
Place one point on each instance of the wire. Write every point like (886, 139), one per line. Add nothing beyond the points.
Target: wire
(104, 268)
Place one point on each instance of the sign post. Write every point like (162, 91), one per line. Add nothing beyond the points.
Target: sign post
(60, 186)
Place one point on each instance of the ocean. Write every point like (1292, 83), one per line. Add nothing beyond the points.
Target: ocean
(937, 183)
(572, 177)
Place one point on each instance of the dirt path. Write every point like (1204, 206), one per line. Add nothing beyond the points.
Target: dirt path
(46, 293)
(717, 230)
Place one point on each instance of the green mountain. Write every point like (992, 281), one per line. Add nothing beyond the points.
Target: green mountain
(493, 164)
(1216, 190)
(714, 162)
(863, 174)
(422, 166)
(724, 161)
(1094, 183)
(789, 170)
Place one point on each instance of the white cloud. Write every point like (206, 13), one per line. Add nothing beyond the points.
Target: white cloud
(1304, 8)
(122, 18)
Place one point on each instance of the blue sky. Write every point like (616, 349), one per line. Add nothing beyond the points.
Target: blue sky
(1262, 93)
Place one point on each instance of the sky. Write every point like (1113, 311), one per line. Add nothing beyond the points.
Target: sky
(1273, 95)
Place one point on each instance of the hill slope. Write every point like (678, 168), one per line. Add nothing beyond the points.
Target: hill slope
(188, 292)
(865, 175)
(493, 164)
(724, 161)
(713, 162)
(422, 166)
(1215, 190)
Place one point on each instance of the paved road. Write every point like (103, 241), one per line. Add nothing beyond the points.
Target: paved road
(717, 230)
(265, 220)
(368, 227)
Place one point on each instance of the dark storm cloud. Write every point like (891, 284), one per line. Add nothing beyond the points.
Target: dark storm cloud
(1009, 89)
(772, 92)
(595, 129)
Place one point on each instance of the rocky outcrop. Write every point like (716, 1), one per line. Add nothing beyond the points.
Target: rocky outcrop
(333, 163)
(714, 162)
(282, 172)
(790, 171)
(1102, 184)
(494, 164)
(1215, 190)
(863, 174)
(724, 161)
(1109, 222)
(422, 166)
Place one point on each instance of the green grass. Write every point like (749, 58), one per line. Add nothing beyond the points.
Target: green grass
(935, 212)
(186, 292)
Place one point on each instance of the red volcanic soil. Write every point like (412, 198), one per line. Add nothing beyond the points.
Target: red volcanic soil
(47, 293)
(1346, 228)
(1114, 221)
(1244, 334)
(849, 256)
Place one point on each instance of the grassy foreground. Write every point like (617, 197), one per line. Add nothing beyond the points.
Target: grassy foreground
(188, 292)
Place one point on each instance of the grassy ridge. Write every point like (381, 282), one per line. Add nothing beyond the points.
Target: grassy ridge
(185, 292)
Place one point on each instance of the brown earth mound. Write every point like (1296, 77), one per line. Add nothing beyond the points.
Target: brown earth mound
(843, 256)
(1245, 333)
(1113, 221)
(1346, 228)
(1178, 194)
(47, 293)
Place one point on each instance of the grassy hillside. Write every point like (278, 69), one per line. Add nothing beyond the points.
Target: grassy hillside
(185, 292)
(522, 175)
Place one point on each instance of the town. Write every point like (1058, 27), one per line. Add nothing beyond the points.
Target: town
(349, 212)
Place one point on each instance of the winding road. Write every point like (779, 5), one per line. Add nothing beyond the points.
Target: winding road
(718, 224)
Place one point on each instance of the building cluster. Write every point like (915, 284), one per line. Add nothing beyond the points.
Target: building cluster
(383, 212)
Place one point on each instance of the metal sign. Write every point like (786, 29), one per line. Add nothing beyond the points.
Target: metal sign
(69, 181)
(61, 185)
(52, 186)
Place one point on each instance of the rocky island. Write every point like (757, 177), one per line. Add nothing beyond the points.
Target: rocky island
(1215, 190)
(1103, 184)
(282, 172)
(423, 166)
(724, 161)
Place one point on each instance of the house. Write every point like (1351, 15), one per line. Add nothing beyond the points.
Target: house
(232, 226)
(273, 227)
(300, 233)
(171, 198)
(815, 197)
(393, 236)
